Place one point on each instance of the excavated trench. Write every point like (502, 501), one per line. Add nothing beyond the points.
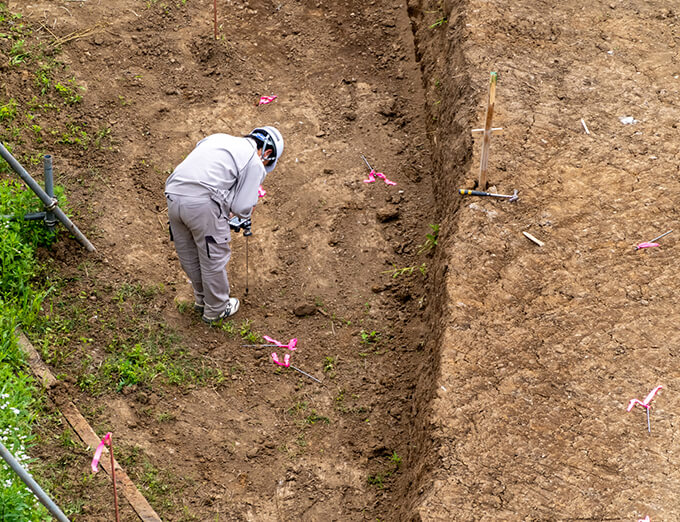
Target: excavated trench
(449, 110)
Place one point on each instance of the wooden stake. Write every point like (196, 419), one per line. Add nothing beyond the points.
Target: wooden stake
(113, 479)
(215, 13)
(486, 142)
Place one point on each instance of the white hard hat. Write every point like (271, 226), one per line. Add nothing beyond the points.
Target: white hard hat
(271, 140)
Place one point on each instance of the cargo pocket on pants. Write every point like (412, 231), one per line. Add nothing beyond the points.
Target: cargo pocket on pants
(208, 240)
(219, 245)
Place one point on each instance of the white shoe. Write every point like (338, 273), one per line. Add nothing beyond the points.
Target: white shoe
(230, 309)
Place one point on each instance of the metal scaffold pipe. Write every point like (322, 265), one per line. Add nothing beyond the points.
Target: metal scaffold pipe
(50, 220)
(32, 484)
(51, 204)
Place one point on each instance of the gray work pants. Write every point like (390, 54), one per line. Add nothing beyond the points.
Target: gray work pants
(201, 234)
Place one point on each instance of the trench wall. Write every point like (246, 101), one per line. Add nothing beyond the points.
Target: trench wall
(450, 108)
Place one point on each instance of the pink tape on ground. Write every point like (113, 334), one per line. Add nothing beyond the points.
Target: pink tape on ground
(286, 360)
(106, 441)
(292, 344)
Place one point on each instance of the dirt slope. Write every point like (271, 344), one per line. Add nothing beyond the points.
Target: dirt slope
(258, 443)
(543, 347)
(504, 387)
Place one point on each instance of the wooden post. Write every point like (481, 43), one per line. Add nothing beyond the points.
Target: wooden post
(215, 17)
(113, 479)
(486, 141)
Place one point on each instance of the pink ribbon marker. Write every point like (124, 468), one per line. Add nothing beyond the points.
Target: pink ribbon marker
(372, 175)
(645, 404)
(286, 360)
(261, 192)
(646, 244)
(106, 441)
(292, 344)
(646, 519)
(264, 100)
(650, 244)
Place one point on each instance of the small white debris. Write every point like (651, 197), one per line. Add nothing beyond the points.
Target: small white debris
(628, 120)
(532, 238)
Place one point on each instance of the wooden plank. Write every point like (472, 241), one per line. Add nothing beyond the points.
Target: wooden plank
(86, 433)
(38, 367)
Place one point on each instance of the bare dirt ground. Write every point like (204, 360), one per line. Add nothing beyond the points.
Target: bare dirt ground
(257, 443)
(543, 347)
(501, 376)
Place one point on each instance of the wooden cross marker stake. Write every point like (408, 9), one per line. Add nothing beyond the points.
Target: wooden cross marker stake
(487, 131)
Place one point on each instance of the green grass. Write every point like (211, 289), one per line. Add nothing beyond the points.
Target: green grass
(22, 120)
(24, 130)
(431, 240)
(369, 338)
(87, 338)
(408, 270)
(19, 306)
(145, 364)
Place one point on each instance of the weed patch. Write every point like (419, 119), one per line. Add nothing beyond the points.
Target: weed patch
(19, 305)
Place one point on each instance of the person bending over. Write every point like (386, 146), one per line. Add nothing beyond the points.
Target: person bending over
(217, 180)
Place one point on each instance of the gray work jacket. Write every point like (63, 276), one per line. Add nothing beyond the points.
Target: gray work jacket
(224, 168)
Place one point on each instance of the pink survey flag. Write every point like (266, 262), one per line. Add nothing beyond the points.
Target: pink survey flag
(292, 344)
(373, 174)
(261, 192)
(286, 360)
(646, 244)
(644, 403)
(106, 441)
(264, 100)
